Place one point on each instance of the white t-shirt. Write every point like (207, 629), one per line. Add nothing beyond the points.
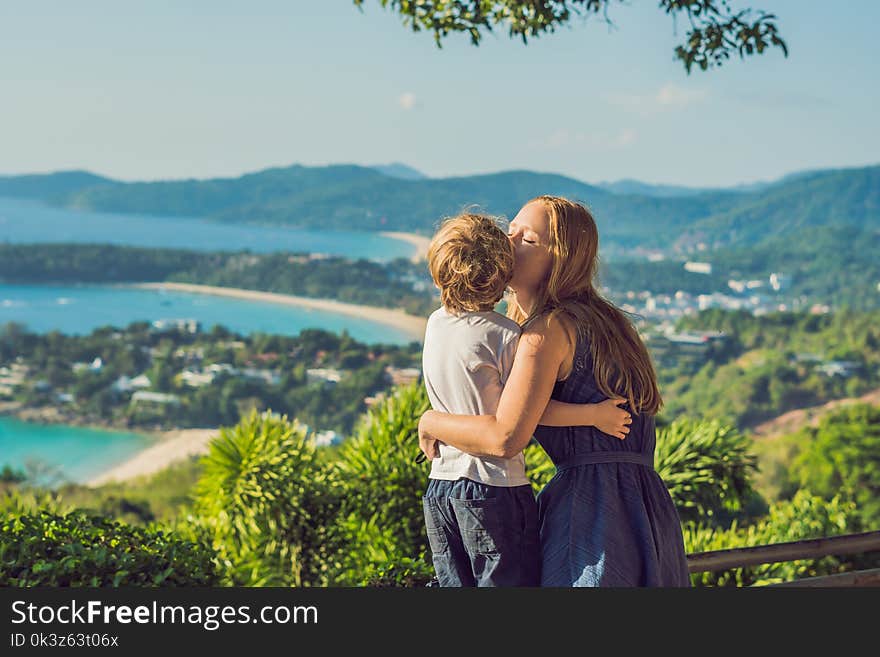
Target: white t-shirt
(465, 363)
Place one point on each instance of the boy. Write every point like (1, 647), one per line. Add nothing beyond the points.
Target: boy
(480, 512)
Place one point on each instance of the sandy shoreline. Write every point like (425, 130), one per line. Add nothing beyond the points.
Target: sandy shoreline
(419, 241)
(410, 324)
(173, 446)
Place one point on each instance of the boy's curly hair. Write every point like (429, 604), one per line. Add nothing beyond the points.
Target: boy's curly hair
(471, 260)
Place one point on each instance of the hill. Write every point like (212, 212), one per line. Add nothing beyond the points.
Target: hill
(352, 197)
(52, 187)
(629, 186)
(395, 198)
(399, 170)
(792, 421)
(839, 198)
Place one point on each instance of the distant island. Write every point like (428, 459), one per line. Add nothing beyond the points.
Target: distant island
(347, 197)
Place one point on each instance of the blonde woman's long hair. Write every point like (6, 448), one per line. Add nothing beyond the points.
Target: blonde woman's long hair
(621, 362)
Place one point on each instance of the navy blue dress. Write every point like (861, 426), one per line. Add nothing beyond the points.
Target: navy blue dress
(606, 518)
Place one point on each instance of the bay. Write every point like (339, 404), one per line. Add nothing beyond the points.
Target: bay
(28, 222)
(65, 453)
(78, 310)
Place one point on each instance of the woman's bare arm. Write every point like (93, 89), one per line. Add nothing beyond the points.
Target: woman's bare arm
(541, 352)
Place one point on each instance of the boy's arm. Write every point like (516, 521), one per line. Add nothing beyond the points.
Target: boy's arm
(605, 416)
(562, 414)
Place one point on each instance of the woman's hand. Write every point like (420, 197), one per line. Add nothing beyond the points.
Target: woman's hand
(612, 420)
(430, 446)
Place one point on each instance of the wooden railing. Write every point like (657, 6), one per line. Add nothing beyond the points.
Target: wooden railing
(808, 549)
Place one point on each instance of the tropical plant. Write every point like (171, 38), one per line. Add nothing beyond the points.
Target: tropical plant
(707, 466)
(382, 520)
(539, 467)
(267, 501)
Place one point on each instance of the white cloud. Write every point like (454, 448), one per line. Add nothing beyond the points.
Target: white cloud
(407, 100)
(667, 97)
(556, 140)
(672, 96)
(596, 141)
(625, 138)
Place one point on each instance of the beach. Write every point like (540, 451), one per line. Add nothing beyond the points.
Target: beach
(410, 324)
(419, 241)
(173, 446)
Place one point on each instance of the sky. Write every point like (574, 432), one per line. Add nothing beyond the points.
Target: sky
(172, 89)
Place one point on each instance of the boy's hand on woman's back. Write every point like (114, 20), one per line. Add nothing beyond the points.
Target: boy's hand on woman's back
(611, 419)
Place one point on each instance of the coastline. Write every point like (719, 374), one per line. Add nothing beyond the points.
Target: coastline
(178, 444)
(410, 324)
(419, 241)
(173, 445)
(170, 445)
(51, 414)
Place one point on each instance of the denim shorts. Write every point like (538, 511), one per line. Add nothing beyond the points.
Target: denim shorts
(482, 535)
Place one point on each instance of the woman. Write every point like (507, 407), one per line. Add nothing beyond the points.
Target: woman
(606, 518)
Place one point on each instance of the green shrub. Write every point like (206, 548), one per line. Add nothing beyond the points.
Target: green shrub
(804, 517)
(370, 555)
(22, 501)
(406, 572)
(8, 475)
(79, 549)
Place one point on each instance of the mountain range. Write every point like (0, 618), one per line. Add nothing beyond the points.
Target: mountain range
(629, 214)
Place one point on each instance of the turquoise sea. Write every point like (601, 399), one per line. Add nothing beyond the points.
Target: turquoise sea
(77, 310)
(64, 453)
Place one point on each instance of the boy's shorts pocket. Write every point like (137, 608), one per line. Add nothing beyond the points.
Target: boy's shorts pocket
(434, 526)
(486, 525)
